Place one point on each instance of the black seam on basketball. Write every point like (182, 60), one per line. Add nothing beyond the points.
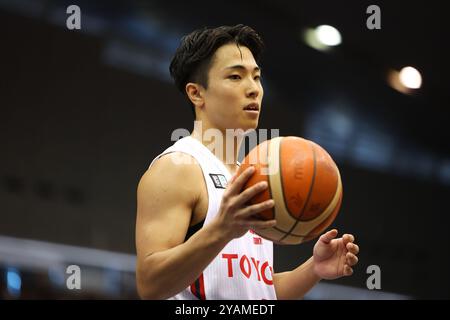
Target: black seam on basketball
(308, 197)
(329, 203)
(309, 234)
(290, 234)
(331, 200)
(299, 235)
(284, 195)
(313, 180)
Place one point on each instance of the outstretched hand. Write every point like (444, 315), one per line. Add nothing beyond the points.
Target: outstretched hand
(334, 258)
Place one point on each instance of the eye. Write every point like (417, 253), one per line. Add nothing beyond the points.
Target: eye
(235, 77)
(258, 78)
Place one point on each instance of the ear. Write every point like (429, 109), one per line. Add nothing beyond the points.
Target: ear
(194, 92)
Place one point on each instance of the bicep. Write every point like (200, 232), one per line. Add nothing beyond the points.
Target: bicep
(164, 208)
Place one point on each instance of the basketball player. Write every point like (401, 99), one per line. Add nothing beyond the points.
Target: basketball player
(194, 233)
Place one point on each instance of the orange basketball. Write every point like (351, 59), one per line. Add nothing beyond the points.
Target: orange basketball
(303, 181)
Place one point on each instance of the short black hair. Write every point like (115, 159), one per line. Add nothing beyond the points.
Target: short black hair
(192, 59)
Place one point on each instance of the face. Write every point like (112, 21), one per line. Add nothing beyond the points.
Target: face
(234, 90)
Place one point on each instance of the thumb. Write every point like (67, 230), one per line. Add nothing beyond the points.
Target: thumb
(330, 235)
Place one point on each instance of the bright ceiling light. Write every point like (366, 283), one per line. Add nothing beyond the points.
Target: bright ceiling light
(328, 35)
(322, 38)
(410, 78)
(406, 80)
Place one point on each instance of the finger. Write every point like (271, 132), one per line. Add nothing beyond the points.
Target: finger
(348, 271)
(330, 235)
(233, 178)
(353, 248)
(249, 211)
(250, 192)
(238, 183)
(351, 259)
(348, 238)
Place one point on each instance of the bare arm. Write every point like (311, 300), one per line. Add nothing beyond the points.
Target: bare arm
(296, 283)
(166, 197)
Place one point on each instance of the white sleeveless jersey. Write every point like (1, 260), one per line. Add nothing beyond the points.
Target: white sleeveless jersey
(244, 267)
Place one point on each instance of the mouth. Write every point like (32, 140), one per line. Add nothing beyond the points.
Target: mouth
(254, 107)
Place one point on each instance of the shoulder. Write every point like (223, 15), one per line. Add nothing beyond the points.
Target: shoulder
(173, 174)
(174, 164)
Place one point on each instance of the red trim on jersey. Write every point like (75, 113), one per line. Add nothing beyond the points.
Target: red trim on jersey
(198, 288)
(194, 292)
(202, 288)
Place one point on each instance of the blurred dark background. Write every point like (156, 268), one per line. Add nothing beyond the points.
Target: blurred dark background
(83, 113)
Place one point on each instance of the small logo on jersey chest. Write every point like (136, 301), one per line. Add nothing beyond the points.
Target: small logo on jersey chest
(256, 239)
(219, 180)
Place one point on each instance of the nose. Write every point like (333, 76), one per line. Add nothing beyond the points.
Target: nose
(253, 90)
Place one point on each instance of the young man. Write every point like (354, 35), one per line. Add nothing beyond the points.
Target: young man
(192, 230)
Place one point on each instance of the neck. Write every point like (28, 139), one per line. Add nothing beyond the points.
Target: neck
(224, 144)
